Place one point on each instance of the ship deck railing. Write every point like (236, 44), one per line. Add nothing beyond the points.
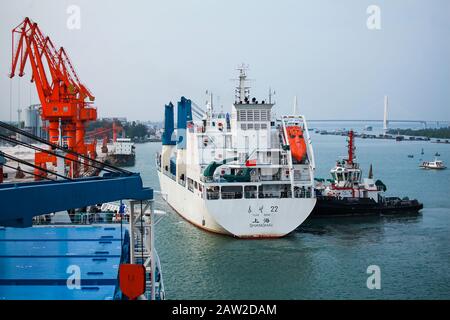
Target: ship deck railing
(260, 195)
(276, 178)
(396, 201)
(82, 218)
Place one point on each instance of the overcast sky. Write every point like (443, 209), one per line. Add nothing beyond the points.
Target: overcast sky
(135, 56)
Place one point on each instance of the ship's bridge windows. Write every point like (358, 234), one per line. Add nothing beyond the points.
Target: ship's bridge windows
(339, 176)
(242, 115)
(265, 115)
(243, 126)
(213, 193)
(250, 192)
(231, 192)
(251, 115)
(256, 115)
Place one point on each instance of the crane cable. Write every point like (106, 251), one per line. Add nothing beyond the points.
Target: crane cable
(142, 235)
(18, 103)
(10, 100)
(30, 173)
(36, 148)
(26, 163)
(55, 146)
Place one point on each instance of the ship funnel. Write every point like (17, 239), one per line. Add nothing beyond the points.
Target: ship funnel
(184, 115)
(167, 139)
(188, 103)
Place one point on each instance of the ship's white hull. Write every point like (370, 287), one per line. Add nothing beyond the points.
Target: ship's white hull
(243, 218)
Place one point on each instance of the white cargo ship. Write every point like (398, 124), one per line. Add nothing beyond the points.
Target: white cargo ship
(244, 174)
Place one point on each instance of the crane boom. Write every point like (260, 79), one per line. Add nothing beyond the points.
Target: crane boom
(61, 93)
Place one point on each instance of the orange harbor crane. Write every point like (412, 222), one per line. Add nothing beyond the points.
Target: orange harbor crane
(116, 128)
(62, 95)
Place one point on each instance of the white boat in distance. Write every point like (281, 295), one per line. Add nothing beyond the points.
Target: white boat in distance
(436, 164)
(242, 174)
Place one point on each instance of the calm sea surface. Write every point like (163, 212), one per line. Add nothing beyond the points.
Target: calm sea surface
(325, 258)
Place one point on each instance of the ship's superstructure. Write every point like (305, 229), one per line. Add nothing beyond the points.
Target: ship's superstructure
(347, 181)
(243, 173)
(123, 153)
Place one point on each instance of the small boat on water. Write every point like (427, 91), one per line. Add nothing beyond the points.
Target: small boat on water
(436, 164)
(410, 156)
(437, 154)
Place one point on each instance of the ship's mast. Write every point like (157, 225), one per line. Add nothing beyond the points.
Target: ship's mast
(242, 91)
(209, 105)
(351, 147)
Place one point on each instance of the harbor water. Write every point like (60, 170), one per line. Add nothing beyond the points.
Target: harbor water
(324, 258)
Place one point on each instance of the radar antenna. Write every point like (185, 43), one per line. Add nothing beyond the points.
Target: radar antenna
(242, 91)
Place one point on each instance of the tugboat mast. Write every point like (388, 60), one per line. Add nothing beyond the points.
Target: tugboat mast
(351, 147)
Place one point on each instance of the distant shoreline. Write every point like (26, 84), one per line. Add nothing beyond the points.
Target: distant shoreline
(438, 133)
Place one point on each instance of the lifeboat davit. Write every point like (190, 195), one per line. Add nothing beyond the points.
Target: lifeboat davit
(296, 142)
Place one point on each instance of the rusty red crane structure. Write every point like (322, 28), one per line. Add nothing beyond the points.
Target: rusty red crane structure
(62, 95)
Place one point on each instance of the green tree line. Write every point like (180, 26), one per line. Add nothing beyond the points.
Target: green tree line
(132, 129)
(439, 133)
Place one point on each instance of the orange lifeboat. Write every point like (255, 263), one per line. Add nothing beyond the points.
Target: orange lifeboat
(296, 142)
